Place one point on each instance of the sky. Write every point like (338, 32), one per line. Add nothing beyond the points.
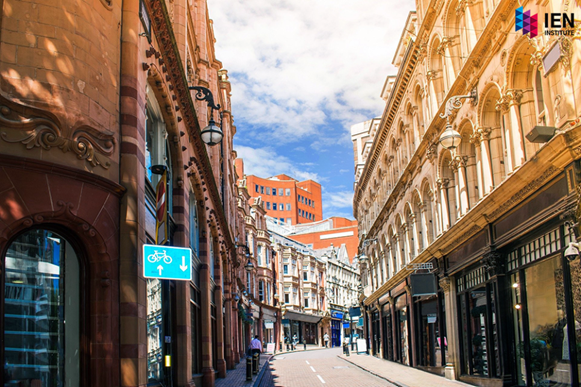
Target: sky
(302, 72)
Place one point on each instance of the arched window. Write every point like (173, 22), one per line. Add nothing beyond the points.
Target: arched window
(194, 226)
(41, 291)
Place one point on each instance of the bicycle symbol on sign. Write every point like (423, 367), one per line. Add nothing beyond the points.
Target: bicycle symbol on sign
(158, 256)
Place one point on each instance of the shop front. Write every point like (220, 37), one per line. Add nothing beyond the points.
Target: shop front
(517, 297)
(336, 318)
(302, 326)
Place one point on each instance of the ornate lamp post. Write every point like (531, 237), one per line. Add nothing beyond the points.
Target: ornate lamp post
(211, 134)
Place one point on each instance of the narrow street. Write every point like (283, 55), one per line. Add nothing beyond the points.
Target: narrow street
(317, 368)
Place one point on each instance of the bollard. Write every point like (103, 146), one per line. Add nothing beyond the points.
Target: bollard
(248, 368)
(255, 364)
(347, 349)
(305, 346)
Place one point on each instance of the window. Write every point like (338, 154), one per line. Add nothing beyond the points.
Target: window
(194, 226)
(261, 291)
(41, 291)
(285, 269)
(256, 188)
(248, 282)
(274, 206)
(156, 152)
(282, 219)
(211, 263)
(268, 205)
(267, 256)
(261, 189)
(288, 206)
(288, 220)
(313, 218)
(540, 100)
(274, 192)
(310, 202)
(299, 198)
(286, 298)
(306, 302)
(280, 190)
(196, 336)
(268, 292)
(259, 255)
(287, 192)
(305, 276)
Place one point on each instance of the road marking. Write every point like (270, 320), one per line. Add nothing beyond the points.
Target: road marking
(321, 379)
(307, 362)
(313, 369)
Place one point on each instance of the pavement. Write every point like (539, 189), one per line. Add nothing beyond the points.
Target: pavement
(398, 374)
(237, 376)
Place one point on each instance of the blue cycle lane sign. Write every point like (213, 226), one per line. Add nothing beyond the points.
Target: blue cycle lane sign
(167, 262)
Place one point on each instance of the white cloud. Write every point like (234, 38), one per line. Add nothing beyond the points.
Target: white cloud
(265, 162)
(337, 200)
(296, 64)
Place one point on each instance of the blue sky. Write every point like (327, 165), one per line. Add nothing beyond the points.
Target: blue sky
(303, 72)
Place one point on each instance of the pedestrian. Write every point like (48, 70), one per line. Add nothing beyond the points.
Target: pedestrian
(256, 345)
(295, 341)
(346, 346)
(326, 339)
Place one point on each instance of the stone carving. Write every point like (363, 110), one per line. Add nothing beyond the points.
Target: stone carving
(566, 51)
(493, 263)
(38, 129)
(445, 284)
(537, 55)
(509, 98)
(446, 42)
(432, 74)
(431, 151)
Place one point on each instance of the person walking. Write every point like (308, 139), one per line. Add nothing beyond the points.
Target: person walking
(295, 341)
(326, 340)
(256, 345)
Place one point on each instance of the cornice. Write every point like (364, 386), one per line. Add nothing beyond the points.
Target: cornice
(163, 31)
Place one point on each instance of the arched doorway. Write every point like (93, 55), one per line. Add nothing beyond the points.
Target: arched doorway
(42, 316)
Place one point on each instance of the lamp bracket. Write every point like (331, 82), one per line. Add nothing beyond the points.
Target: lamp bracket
(455, 103)
(204, 94)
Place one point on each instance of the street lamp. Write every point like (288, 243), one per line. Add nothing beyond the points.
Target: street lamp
(450, 139)
(211, 134)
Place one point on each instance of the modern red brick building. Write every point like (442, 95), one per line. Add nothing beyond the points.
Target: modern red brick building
(285, 198)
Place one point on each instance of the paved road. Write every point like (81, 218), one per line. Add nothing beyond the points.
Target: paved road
(319, 368)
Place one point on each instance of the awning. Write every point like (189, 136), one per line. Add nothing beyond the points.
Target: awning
(296, 316)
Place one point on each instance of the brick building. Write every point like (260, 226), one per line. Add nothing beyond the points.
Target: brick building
(286, 199)
(92, 95)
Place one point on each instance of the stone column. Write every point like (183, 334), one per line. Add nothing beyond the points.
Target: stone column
(475, 139)
(391, 301)
(412, 320)
(230, 333)
(452, 370)
(486, 160)
(431, 75)
(458, 165)
(424, 223)
(515, 127)
(205, 289)
(442, 187)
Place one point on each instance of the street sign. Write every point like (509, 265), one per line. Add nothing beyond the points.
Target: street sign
(167, 262)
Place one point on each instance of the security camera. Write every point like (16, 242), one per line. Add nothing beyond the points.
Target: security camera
(572, 251)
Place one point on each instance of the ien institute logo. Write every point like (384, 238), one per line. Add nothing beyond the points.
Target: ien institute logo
(526, 22)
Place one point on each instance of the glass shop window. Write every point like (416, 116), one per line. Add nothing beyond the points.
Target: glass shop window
(41, 292)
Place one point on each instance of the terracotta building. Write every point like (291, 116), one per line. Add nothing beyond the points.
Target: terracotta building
(286, 199)
(468, 201)
(334, 231)
(93, 94)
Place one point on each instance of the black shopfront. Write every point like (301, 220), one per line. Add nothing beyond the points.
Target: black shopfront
(518, 298)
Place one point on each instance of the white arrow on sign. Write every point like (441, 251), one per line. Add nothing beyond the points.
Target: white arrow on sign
(160, 268)
(183, 265)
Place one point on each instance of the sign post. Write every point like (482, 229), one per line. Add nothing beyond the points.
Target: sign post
(167, 262)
